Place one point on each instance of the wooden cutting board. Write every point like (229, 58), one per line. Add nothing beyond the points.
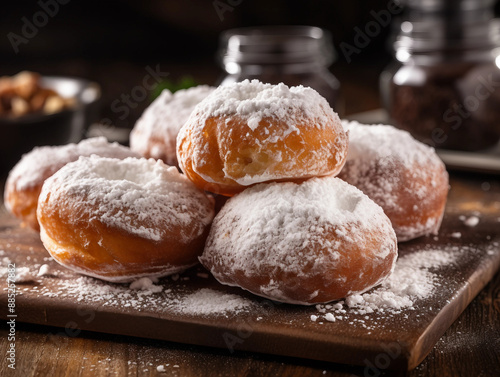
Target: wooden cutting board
(375, 340)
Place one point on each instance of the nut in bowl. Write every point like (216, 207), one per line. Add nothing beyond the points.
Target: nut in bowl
(43, 110)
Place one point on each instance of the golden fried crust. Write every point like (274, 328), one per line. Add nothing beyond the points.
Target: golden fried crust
(415, 213)
(22, 204)
(355, 270)
(229, 156)
(119, 220)
(109, 253)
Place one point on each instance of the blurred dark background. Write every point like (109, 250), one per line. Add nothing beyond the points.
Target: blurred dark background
(112, 42)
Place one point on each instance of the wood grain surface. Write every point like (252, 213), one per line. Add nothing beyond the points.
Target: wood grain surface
(284, 330)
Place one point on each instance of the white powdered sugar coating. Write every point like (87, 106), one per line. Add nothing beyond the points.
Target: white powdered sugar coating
(142, 197)
(298, 110)
(401, 174)
(42, 162)
(379, 141)
(155, 132)
(271, 228)
(254, 100)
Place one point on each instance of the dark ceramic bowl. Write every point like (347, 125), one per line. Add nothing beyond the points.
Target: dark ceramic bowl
(22, 134)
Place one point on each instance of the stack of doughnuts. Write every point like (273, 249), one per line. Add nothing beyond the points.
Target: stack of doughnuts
(291, 230)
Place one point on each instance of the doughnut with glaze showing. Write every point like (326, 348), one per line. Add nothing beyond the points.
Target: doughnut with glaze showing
(119, 220)
(25, 180)
(155, 133)
(249, 132)
(402, 175)
(313, 242)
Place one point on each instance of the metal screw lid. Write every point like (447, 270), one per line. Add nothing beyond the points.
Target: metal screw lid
(276, 45)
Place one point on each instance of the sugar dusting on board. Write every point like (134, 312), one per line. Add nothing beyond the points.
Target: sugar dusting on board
(209, 301)
(143, 293)
(415, 279)
(418, 277)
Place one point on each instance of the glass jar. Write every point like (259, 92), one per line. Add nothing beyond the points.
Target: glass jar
(294, 55)
(444, 84)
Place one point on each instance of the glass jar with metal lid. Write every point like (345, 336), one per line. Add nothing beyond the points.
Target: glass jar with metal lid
(294, 55)
(444, 86)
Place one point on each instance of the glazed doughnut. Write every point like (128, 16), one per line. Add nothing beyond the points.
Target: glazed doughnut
(402, 175)
(249, 132)
(25, 180)
(313, 242)
(120, 220)
(155, 133)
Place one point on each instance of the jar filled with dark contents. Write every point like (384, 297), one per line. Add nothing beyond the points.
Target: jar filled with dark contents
(444, 86)
(294, 55)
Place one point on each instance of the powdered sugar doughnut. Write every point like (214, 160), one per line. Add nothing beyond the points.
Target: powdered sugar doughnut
(119, 220)
(307, 243)
(155, 133)
(26, 178)
(402, 175)
(249, 132)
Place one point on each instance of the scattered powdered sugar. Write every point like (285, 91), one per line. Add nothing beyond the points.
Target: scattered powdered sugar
(209, 301)
(144, 294)
(456, 235)
(142, 197)
(471, 221)
(330, 317)
(161, 369)
(24, 275)
(399, 173)
(146, 284)
(44, 270)
(418, 277)
(42, 162)
(414, 278)
(154, 135)
(270, 229)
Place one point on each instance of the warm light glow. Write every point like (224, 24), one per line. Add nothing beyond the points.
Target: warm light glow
(406, 27)
(402, 55)
(497, 61)
(232, 68)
